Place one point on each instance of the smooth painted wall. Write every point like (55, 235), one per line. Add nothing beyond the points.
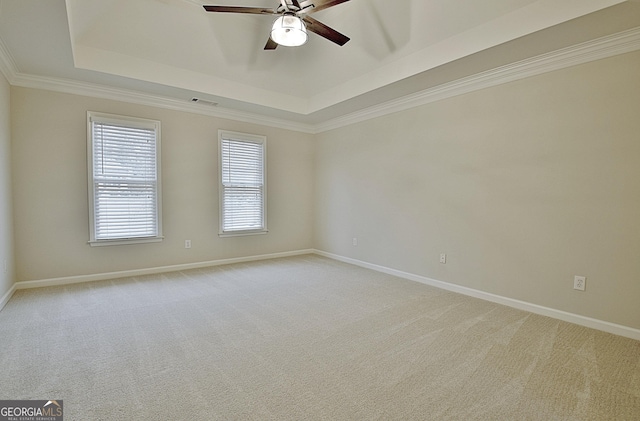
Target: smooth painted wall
(7, 278)
(50, 189)
(523, 186)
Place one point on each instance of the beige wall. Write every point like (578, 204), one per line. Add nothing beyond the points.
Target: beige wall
(523, 185)
(50, 189)
(6, 225)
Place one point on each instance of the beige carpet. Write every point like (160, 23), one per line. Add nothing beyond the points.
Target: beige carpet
(304, 338)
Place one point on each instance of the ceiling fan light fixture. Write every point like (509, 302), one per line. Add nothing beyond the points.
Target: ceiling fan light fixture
(289, 30)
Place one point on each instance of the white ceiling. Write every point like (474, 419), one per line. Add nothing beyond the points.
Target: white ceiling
(174, 49)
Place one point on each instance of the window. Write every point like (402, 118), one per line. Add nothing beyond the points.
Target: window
(124, 179)
(242, 183)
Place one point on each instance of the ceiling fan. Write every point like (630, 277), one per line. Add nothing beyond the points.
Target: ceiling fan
(290, 29)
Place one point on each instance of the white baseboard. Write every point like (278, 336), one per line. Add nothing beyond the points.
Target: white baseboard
(604, 326)
(151, 271)
(7, 296)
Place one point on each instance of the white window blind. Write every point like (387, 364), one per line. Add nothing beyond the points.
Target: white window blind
(124, 183)
(242, 164)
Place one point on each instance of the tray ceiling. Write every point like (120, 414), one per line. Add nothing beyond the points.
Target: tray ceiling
(173, 48)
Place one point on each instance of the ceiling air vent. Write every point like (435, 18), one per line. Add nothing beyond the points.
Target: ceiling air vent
(204, 102)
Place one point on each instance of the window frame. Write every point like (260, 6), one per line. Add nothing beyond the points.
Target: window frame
(133, 122)
(250, 138)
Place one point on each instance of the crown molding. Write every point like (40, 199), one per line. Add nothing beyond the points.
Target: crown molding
(116, 94)
(10, 70)
(608, 46)
(8, 65)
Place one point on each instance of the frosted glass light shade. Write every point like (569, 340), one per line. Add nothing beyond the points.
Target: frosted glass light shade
(289, 30)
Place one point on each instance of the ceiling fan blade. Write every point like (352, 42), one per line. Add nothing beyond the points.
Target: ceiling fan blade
(324, 31)
(317, 5)
(240, 9)
(295, 3)
(271, 44)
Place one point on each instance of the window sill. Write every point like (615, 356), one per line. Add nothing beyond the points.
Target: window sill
(242, 233)
(125, 241)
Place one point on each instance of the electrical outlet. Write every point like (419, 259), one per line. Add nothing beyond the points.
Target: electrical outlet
(354, 241)
(579, 283)
(187, 244)
(443, 258)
